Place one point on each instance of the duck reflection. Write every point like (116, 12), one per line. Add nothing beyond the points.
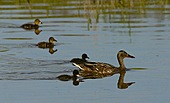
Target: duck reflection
(48, 45)
(52, 51)
(81, 76)
(121, 84)
(37, 31)
(30, 26)
(73, 77)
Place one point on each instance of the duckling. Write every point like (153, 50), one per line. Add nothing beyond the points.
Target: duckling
(29, 26)
(105, 68)
(49, 44)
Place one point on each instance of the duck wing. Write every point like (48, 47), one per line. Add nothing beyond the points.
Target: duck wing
(77, 60)
(103, 68)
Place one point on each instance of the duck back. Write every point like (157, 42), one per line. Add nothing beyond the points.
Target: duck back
(45, 45)
(29, 26)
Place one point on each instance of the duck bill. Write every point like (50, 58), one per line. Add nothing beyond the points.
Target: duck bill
(55, 40)
(130, 56)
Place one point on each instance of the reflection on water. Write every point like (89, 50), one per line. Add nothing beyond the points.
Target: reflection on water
(77, 78)
(37, 31)
(121, 84)
(73, 77)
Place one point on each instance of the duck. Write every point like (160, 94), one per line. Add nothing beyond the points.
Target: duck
(29, 26)
(81, 60)
(49, 44)
(105, 68)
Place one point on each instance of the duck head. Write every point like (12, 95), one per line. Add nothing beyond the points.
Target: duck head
(51, 40)
(37, 21)
(84, 56)
(121, 55)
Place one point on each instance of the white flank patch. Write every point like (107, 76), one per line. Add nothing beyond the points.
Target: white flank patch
(78, 66)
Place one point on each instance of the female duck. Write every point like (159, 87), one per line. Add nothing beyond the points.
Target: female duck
(49, 44)
(105, 68)
(32, 26)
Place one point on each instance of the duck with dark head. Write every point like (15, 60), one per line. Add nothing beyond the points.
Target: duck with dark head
(81, 60)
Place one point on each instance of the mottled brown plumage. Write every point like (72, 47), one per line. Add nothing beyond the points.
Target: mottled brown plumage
(32, 26)
(105, 68)
(49, 44)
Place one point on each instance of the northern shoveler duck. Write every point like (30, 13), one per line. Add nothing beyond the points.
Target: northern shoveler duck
(105, 68)
(32, 26)
(76, 61)
(79, 62)
(49, 44)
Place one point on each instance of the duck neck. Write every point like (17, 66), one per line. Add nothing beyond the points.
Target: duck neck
(50, 41)
(121, 62)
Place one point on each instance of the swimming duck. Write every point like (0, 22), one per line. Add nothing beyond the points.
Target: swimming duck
(105, 68)
(49, 44)
(79, 62)
(32, 26)
(76, 61)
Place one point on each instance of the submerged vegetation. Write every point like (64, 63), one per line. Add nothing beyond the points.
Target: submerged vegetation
(94, 11)
(86, 8)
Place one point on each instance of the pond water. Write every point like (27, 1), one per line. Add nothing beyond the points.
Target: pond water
(99, 28)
